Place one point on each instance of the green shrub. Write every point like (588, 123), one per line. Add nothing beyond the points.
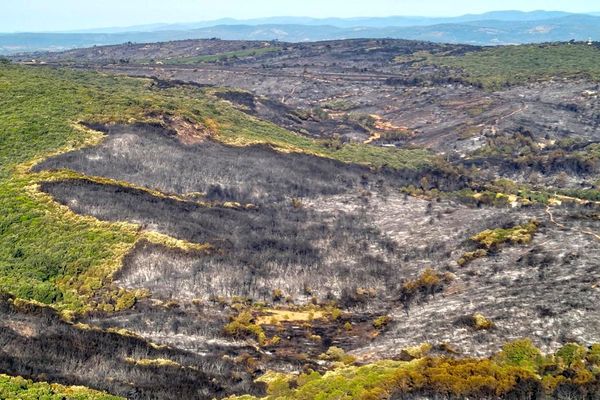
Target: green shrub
(335, 314)
(593, 355)
(470, 256)
(381, 322)
(243, 326)
(125, 300)
(426, 284)
(337, 354)
(16, 388)
(571, 354)
(520, 353)
(520, 234)
(480, 322)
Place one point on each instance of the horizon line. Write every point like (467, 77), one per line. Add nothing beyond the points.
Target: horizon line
(92, 29)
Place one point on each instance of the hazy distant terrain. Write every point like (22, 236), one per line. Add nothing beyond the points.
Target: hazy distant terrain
(504, 27)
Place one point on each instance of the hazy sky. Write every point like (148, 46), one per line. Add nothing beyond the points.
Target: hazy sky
(48, 15)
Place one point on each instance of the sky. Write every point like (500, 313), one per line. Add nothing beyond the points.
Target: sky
(64, 15)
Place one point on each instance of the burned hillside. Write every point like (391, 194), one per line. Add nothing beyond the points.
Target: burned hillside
(233, 217)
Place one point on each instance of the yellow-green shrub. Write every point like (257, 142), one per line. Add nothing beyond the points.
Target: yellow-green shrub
(593, 355)
(17, 388)
(520, 234)
(571, 354)
(242, 326)
(520, 353)
(471, 256)
(381, 322)
(337, 354)
(517, 370)
(480, 322)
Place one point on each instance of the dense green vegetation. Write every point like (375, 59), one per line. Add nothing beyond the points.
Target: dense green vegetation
(16, 388)
(519, 369)
(51, 255)
(496, 67)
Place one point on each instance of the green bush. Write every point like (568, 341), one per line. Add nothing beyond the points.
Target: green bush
(381, 322)
(470, 256)
(338, 355)
(571, 354)
(520, 234)
(481, 322)
(593, 355)
(426, 284)
(520, 353)
(243, 326)
(16, 388)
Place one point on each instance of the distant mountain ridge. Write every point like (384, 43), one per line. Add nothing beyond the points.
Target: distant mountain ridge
(495, 28)
(370, 22)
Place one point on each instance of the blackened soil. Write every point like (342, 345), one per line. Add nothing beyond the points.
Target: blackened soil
(37, 344)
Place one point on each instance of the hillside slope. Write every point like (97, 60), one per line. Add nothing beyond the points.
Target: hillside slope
(356, 219)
